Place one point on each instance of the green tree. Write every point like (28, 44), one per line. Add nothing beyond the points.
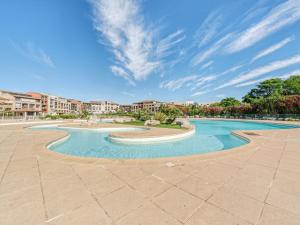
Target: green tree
(226, 102)
(172, 113)
(291, 86)
(272, 87)
(142, 115)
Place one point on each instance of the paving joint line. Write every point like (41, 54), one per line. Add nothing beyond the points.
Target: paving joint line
(92, 195)
(42, 189)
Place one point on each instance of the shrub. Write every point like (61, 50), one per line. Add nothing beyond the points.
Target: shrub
(161, 117)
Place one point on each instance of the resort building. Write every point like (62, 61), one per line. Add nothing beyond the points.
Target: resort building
(126, 108)
(76, 106)
(22, 105)
(44, 101)
(150, 105)
(5, 106)
(101, 107)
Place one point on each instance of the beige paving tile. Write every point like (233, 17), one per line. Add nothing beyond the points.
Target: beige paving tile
(264, 159)
(178, 203)
(30, 213)
(290, 165)
(216, 173)
(151, 186)
(55, 187)
(19, 180)
(89, 214)
(17, 207)
(237, 204)
(287, 174)
(170, 175)
(259, 171)
(63, 202)
(250, 185)
(284, 201)
(100, 181)
(121, 202)
(148, 214)
(211, 215)
(130, 174)
(198, 187)
(54, 170)
(275, 216)
(16, 165)
(287, 185)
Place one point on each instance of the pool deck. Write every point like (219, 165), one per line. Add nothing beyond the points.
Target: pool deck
(258, 184)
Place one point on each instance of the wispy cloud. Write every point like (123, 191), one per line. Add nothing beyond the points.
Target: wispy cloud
(287, 75)
(165, 47)
(208, 29)
(203, 80)
(208, 64)
(284, 14)
(176, 84)
(128, 94)
(276, 65)
(248, 83)
(221, 96)
(206, 54)
(119, 71)
(272, 48)
(192, 81)
(284, 76)
(231, 70)
(34, 53)
(131, 40)
(199, 93)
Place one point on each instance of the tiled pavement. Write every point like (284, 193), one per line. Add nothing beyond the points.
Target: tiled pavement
(256, 184)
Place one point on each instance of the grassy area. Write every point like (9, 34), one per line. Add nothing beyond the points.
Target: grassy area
(141, 123)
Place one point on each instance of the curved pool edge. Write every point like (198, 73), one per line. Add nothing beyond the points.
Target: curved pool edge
(250, 146)
(153, 139)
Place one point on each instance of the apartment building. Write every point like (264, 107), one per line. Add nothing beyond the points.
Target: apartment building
(22, 105)
(150, 105)
(5, 105)
(44, 101)
(101, 107)
(125, 108)
(76, 106)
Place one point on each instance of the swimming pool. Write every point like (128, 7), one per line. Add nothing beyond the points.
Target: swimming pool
(210, 136)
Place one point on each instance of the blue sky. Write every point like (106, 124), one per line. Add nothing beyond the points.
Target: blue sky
(147, 49)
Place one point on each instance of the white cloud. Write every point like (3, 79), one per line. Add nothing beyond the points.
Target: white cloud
(293, 73)
(123, 28)
(284, 14)
(248, 83)
(122, 73)
(272, 48)
(208, 29)
(193, 81)
(285, 76)
(31, 51)
(127, 94)
(165, 47)
(204, 66)
(199, 93)
(122, 25)
(232, 69)
(280, 64)
(203, 80)
(220, 96)
(176, 84)
(206, 54)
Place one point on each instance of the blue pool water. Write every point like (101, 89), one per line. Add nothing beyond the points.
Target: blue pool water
(210, 136)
